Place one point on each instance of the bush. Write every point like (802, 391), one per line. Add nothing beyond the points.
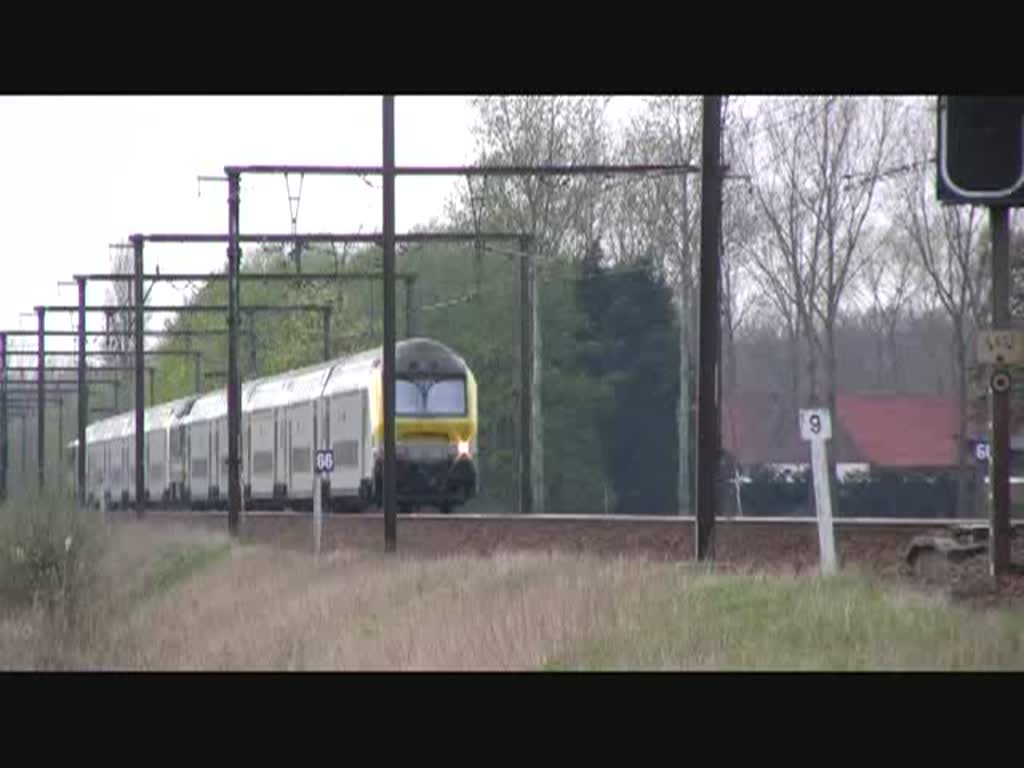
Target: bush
(50, 556)
(772, 492)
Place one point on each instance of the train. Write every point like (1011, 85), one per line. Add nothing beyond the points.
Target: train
(286, 419)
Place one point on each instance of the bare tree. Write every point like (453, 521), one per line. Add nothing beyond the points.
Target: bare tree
(887, 292)
(945, 240)
(119, 295)
(815, 216)
(740, 229)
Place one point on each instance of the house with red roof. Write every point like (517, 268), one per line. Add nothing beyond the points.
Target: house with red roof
(906, 444)
(870, 431)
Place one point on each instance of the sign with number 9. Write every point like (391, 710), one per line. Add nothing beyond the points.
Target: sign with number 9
(815, 424)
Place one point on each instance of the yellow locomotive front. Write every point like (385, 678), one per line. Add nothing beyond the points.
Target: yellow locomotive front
(435, 427)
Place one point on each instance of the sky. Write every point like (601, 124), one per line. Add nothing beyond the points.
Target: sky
(80, 173)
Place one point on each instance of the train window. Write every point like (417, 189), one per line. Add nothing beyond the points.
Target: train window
(430, 397)
(447, 397)
(408, 398)
(262, 462)
(346, 453)
(301, 461)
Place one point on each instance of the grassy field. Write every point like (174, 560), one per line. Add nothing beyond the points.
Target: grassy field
(176, 598)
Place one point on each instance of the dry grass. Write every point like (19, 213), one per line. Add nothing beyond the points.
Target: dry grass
(133, 563)
(270, 609)
(183, 599)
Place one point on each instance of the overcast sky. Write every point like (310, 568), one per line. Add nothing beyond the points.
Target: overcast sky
(79, 173)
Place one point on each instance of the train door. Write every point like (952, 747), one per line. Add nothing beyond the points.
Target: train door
(245, 474)
(186, 458)
(347, 426)
(107, 468)
(280, 453)
(199, 457)
(222, 456)
(262, 444)
(366, 455)
(128, 462)
(215, 470)
(300, 422)
(289, 480)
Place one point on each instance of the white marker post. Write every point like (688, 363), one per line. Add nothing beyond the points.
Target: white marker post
(816, 428)
(324, 466)
(317, 514)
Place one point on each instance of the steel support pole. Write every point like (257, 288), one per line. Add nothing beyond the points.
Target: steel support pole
(999, 537)
(388, 183)
(83, 394)
(234, 382)
(41, 390)
(140, 383)
(708, 436)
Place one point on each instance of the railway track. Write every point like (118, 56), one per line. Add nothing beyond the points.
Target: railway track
(876, 544)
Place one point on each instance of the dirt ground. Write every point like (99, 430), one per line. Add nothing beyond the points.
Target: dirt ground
(969, 582)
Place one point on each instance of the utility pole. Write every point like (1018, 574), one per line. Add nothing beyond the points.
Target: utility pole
(41, 384)
(140, 383)
(388, 185)
(525, 380)
(708, 419)
(234, 380)
(83, 393)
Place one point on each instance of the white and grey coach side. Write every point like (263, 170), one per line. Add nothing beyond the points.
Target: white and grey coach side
(280, 418)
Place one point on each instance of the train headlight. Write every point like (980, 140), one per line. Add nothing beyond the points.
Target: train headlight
(463, 448)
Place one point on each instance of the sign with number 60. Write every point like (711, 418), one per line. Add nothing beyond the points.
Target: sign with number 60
(325, 460)
(815, 424)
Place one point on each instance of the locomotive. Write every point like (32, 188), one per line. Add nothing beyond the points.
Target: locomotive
(286, 419)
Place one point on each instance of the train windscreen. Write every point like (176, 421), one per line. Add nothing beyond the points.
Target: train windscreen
(422, 397)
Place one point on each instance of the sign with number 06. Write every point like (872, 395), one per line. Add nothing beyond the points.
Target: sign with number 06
(325, 461)
(815, 424)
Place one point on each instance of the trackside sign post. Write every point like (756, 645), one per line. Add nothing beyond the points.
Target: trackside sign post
(324, 467)
(981, 162)
(816, 428)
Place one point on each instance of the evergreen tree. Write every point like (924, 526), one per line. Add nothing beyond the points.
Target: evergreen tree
(631, 344)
